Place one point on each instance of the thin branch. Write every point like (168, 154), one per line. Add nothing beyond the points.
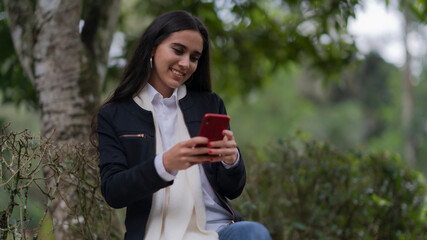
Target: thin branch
(21, 20)
(101, 18)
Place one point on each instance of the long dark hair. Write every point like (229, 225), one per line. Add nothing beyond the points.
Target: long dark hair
(138, 70)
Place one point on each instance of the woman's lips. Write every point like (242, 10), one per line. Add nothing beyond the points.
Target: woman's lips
(177, 73)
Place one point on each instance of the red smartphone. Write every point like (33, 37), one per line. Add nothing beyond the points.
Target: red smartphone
(213, 125)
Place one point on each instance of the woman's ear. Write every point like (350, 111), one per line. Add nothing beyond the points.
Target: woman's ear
(153, 51)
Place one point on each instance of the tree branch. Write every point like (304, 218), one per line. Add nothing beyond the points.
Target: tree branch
(21, 20)
(101, 19)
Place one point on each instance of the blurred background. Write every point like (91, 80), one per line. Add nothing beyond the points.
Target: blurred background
(351, 72)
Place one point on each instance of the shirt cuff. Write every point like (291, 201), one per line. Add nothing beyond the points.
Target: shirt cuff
(160, 168)
(227, 166)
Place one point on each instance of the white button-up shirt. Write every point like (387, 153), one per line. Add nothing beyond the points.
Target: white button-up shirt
(166, 112)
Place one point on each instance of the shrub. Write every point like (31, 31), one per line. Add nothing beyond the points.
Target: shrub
(310, 190)
(24, 158)
(298, 189)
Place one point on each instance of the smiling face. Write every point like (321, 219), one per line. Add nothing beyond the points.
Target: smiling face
(175, 60)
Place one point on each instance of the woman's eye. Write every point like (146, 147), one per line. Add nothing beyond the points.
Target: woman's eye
(194, 59)
(177, 51)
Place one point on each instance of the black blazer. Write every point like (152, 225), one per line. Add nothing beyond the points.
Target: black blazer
(127, 151)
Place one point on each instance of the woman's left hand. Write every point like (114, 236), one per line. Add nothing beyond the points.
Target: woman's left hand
(224, 150)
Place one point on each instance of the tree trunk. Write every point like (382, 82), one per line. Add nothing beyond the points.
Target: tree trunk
(57, 54)
(407, 99)
(67, 69)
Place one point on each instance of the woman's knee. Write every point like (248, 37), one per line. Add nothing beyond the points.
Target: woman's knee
(258, 230)
(245, 230)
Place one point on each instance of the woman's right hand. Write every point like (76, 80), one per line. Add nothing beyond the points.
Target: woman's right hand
(185, 154)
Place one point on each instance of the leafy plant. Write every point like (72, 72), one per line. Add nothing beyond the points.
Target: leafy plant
(303, 189)
(299, 188)
(24, 159)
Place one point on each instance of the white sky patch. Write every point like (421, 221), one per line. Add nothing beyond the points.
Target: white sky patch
(81, 25)
(417, 42)
(116, 50)
(379, 27)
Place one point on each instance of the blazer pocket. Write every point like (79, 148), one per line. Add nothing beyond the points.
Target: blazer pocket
(129, 136)
(139, 147)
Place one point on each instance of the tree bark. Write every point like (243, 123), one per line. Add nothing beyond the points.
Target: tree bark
(67, 69)
(21, 22)
(407, 99)
(57, 68)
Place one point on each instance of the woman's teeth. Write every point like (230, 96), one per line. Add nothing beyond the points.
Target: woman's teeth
(177, 73)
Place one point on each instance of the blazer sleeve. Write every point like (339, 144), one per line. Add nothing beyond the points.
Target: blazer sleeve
(122, 185)
(229, 182)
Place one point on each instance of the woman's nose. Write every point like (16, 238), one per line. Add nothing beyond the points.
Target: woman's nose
(184, 63)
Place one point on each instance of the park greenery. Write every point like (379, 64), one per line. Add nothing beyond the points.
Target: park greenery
(320, 125)
(298, 188)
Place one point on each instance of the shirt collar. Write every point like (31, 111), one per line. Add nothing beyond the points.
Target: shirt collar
(154, 94)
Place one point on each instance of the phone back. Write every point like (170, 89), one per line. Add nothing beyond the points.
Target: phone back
(213, 125)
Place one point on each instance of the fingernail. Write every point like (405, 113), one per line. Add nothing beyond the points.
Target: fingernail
(210, 151)
(211, 160)
(209, 144)
(223, 132)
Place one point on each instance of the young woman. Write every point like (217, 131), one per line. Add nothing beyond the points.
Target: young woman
(147, 133)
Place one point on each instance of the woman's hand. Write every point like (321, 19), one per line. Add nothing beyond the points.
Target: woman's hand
(224, 150)
(185, 154)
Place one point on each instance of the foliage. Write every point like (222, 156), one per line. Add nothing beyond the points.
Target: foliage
(15, 87)
(250, 39)
(418, 8)
(370, 84)
(20, 166)
(23, 158)
(303, 189)
(419, 126)
(300, 189)
(362, 110)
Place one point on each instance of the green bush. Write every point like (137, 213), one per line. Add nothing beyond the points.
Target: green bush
(299, 189)
(309, 190)
(27, 163)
